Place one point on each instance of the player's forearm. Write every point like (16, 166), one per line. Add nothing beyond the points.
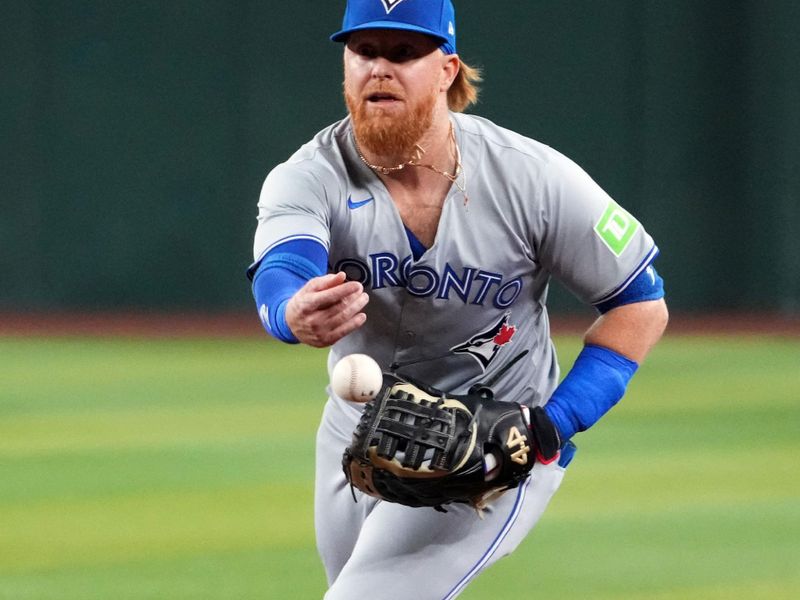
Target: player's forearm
(615, 346)
(281, 273)
(630, 330)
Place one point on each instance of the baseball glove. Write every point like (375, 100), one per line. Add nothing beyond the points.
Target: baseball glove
(418, 446)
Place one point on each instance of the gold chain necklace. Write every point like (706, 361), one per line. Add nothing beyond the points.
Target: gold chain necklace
(414, 161)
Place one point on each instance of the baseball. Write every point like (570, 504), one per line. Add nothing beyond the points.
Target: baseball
(357, 378)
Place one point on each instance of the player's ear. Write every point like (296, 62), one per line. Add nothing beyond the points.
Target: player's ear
(450, 67)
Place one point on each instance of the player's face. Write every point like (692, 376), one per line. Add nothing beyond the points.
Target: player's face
(393, 81)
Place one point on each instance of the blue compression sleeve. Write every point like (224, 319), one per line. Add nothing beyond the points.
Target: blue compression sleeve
(284, 270)
(593, 386)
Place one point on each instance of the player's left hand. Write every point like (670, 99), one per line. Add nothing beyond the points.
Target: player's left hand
(326, 309)
(418, 446)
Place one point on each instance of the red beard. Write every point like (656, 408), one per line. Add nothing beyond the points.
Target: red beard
(386, 134)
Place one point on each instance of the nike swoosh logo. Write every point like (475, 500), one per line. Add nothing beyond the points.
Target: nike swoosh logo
(352, 205)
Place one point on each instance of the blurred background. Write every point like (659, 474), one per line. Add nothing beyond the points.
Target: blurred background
(135, 136)
(134, 140)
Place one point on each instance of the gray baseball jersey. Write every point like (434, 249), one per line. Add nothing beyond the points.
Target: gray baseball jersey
(456, 315)
(476, 298)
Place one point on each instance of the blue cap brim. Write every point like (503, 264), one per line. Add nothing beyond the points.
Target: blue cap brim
(341, 36)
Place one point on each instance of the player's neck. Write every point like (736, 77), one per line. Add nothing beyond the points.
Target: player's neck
(435, 152)
(436, 143)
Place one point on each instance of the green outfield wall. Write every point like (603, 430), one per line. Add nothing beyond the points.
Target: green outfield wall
(135, 135)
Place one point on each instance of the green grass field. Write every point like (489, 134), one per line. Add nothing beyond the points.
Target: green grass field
(182, 469)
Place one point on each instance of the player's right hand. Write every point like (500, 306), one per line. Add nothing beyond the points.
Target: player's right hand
(326, 309)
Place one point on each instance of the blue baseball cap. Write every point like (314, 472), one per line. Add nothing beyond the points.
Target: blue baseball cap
(436, 18)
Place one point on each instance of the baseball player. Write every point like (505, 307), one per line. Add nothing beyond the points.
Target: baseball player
(426, 238)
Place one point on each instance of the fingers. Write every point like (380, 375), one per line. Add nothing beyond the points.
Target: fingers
(325, 281)
(326, 309)
(327, 291)
(348, 326)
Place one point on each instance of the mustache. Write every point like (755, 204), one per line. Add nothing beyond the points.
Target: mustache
(382, 89)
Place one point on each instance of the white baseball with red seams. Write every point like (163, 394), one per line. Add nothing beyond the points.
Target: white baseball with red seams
(357, 378)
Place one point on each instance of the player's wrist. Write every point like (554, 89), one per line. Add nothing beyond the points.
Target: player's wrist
(282, 329)
(545, 434)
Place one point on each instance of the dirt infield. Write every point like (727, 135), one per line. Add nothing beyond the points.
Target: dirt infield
(159, 325)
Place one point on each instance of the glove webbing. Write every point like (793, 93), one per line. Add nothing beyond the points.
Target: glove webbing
(410, 432)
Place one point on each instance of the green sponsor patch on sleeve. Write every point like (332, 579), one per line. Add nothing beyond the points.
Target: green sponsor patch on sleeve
(616, 228)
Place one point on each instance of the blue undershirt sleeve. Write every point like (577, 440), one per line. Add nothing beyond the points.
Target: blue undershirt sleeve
(648, 285)
(281, 272)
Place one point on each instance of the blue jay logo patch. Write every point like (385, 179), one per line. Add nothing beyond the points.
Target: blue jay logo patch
(389, 5)
(485, 345)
